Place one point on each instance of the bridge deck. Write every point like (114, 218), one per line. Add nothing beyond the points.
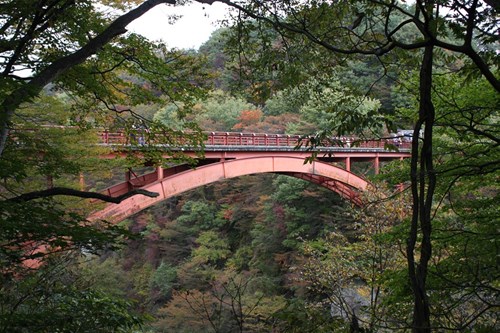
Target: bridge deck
(257, 141)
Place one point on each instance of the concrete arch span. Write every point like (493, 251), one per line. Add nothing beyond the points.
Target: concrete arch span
(347, 184)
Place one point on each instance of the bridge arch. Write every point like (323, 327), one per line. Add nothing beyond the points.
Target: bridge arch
(347, 184)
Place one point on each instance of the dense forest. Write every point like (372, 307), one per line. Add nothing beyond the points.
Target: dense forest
(259, 253)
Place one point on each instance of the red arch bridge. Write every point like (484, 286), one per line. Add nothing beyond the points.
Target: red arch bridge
(229, 155)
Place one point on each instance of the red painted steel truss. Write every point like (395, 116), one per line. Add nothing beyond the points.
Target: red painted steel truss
(330, 170)
(345, 191)
(229, 155)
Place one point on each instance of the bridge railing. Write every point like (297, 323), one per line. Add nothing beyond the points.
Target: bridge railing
(142, 137)
(256, 139)
(109, 138)
(251, 139)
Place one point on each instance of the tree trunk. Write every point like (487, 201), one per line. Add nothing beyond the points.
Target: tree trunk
(423, 182)
(354, 325)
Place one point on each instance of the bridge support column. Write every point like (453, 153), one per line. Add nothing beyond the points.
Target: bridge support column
(348, 164)
(128, 177)
(376, 165)
(159, 173)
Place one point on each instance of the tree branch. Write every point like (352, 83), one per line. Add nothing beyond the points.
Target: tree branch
(81, 194)
(51, 72)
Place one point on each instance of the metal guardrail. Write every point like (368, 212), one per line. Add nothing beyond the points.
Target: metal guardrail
(257, 139)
